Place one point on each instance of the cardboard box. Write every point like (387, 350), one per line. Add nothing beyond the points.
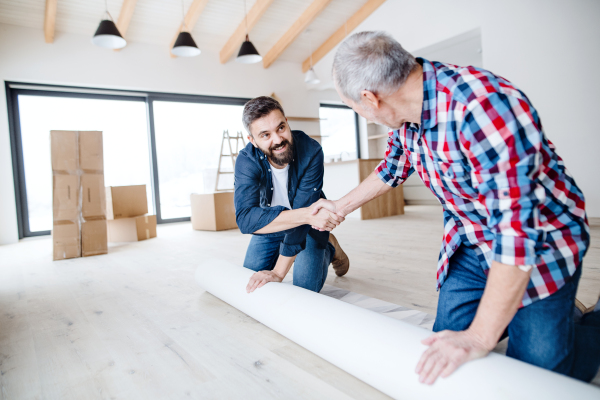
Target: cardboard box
(132, 229)
(65, 193)
(64, 150)
(79, 200)
(91, 158)
(126, 201)
(66, 240)
(94, 238)
(213, 212)
(93, 197)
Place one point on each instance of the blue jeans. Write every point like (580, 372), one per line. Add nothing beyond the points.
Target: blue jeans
(310, 266)
(543, 333)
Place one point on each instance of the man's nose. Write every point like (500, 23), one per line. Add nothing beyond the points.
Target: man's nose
(277, 139)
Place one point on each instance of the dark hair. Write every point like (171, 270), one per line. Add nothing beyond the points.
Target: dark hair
(258, 108)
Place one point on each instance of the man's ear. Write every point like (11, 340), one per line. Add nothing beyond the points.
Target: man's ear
(370, 99)
(251, 139)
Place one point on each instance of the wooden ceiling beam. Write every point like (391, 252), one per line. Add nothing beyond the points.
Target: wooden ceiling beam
(234, 42)
(125, 17)
(308, 16)
(341, 33)
(191, 17)
(50, 20)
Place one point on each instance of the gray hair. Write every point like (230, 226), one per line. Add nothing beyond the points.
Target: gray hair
(372, 61)
(257, 108)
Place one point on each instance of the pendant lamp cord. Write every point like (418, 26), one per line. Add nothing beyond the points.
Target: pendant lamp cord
(246, 19)
(310, 48)
(106, 10)
(183, 27)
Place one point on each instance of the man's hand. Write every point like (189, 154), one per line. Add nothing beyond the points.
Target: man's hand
(326, 204)
(260, 279)
(447, 351)
(323, 205)
(323, 220)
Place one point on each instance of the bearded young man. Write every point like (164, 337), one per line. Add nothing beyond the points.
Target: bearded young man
(278, 175)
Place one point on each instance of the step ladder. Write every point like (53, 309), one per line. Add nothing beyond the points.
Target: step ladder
(233, 153)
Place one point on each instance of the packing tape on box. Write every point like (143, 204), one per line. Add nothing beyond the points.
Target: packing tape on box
(379, 350)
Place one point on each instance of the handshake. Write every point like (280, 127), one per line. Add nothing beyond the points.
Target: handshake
(324, 215)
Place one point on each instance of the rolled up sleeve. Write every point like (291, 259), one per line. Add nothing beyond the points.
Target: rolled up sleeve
(501, 137)
(395, 167)
(249, 215)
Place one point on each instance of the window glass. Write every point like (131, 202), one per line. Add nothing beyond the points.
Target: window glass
(125, 135)
(338, 133)
(188, 144)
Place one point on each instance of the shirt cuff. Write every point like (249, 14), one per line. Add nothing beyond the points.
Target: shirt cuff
(291, 250)
(384, 174)
(515, 250)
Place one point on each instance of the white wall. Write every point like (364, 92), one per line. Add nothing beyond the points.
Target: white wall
(73, 60)
(548, 48)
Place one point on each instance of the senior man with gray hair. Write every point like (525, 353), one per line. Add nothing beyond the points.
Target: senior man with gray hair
(515, 228)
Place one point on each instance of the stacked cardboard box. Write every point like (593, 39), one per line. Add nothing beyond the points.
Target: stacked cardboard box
(127, 208)
(79, 208)
(213, 211)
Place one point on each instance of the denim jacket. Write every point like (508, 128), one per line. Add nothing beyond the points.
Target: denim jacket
(254, 191)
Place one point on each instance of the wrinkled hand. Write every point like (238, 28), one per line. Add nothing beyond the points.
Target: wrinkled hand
(447, 351)
(325, 220)
(260, 279)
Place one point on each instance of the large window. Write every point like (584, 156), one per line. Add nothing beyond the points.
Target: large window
(125, 135)
(188, 144)
(339, 133)
(170, 143)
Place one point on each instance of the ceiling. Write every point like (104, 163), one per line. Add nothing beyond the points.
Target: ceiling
(157, 21)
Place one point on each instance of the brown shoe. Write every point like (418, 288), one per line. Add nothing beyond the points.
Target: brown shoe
(581, 307)
(340, 262)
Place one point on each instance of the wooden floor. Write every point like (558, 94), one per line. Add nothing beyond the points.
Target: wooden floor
(133, 324)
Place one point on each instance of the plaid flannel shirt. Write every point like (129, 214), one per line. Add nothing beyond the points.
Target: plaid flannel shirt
(481, 150)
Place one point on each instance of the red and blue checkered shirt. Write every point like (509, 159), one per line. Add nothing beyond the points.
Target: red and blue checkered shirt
(481, 150)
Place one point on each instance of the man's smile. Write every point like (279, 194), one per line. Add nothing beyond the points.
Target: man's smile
(280, 149)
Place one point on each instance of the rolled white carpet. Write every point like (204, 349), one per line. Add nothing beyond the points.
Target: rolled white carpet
(381, 351)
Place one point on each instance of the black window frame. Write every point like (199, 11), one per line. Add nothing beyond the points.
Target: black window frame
(14, 89)
(356, 123)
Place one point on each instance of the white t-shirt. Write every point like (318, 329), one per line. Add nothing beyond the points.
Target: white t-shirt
(280, 187)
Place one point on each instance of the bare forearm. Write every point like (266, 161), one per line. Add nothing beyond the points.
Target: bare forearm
(500, 302)
(283, 265)
(288, 219)
(370, 188)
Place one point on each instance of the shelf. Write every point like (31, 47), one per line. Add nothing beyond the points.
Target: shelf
(307, 119)
(381, 136)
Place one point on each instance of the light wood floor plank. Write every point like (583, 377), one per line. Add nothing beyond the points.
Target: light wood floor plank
(133, 324)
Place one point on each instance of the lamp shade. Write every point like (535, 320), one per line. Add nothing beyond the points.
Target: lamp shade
(185, 46)
(311, 77)
(107, 35)
(248, 53)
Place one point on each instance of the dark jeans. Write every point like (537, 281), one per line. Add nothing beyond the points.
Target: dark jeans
(310, 266)
(543, 333)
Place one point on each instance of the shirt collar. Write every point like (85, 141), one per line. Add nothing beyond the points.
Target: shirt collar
(429, 113)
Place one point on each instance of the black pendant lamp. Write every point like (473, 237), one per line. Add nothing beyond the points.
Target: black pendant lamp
(248, 53)
(107, 35)
(184, 45)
